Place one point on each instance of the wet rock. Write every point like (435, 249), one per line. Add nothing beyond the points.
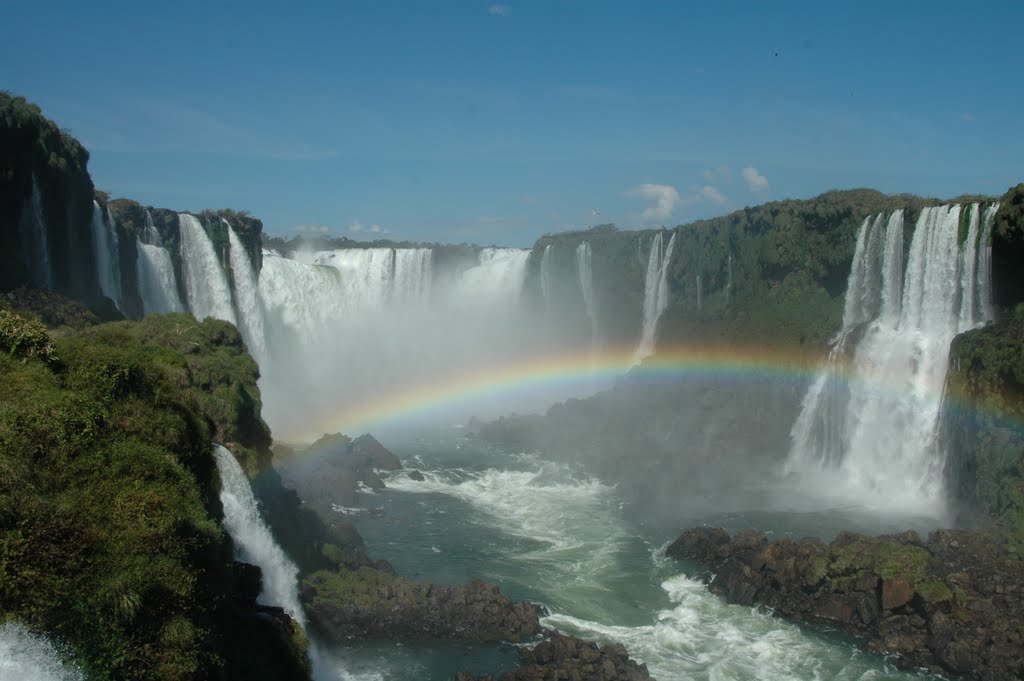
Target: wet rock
(954, 602)
(567, 657)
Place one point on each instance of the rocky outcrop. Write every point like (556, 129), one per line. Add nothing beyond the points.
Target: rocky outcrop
(369, 603)
(567, 657)
(954, 602)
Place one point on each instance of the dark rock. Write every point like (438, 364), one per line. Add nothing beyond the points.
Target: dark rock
(375, 604)
(416, 475)
(955, 602)
(567, 657)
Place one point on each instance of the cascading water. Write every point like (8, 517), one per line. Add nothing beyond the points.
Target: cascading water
(497, 278)
(35, 246)
(158, 287)
(150, 235)
(247, 297)
(413, 273)
(655, 294)
(24, 655)
(586, 279)
(547, 283)
(205, 284)
(254, 543)
(104, 246)
(983, 283)
(878, 431)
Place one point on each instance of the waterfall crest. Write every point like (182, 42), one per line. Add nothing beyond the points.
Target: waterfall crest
(871, 414)
(206, 286)
(247, 297)
(655, 294)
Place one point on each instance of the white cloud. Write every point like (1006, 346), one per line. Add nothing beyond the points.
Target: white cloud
(499, 10)
(311, 229)
(377, 229)
(757, 182)
(665, 198)
(710, 193)
(356, 227)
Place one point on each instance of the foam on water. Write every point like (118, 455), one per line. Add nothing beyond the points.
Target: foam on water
(25, 656)
(700, 637)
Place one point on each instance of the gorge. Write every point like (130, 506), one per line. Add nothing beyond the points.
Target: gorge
(848, 362)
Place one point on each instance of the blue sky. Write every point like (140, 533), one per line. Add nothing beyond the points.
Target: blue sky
(498, 122)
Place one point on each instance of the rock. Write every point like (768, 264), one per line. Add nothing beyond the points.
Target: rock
(567, 657)
(376, 604)
(953, 602)
(416, 475)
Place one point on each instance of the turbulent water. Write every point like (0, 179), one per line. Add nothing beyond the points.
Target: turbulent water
(875, 424)
(655, 294)
(546, 533)
(253, 542)
(206, 287)
(25, 656)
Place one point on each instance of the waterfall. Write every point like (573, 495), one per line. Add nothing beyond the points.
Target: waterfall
(586, 279)
(700, 294)
(247, 299)
(878, 430)
(151, 236)
(547, 284)
(35, 246)
(253, 541)
(105, 248)
(24, 655)
(496, 279)
(413, 275)
(983, 283)
(655, 294)
(205, 284)
(158, 287)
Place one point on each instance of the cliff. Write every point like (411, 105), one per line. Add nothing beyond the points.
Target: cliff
(45, 204)
(109, 506)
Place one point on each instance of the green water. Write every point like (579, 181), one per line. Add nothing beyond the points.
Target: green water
(552, 535)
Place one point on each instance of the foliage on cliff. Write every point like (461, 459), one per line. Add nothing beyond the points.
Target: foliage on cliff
(109, 495)
(45, 199)
(1008, 249)
(984, 422)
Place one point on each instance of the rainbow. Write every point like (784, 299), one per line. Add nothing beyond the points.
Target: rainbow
(573, 372)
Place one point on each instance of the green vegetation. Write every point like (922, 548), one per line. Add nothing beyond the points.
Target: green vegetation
(887, 558)
(108, 492)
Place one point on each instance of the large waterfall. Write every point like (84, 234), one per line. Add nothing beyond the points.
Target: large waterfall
(655, 294)
(871, 415)
(254, 543)
(29, 657)
(104, 245)
(247, 297)
(547, 284)
(205, 284)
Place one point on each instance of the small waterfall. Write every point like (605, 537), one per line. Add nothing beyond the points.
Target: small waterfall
(879, 430)
(547, 278)
(983, 283)
(728, 280)
(655, 294)
(205, 284)
(700, 294)
(158, 287)
(29, 657)
(35, 243)
(105, 248)
(586, 279)
(150, 235)
(247, 297)
(254, 543)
